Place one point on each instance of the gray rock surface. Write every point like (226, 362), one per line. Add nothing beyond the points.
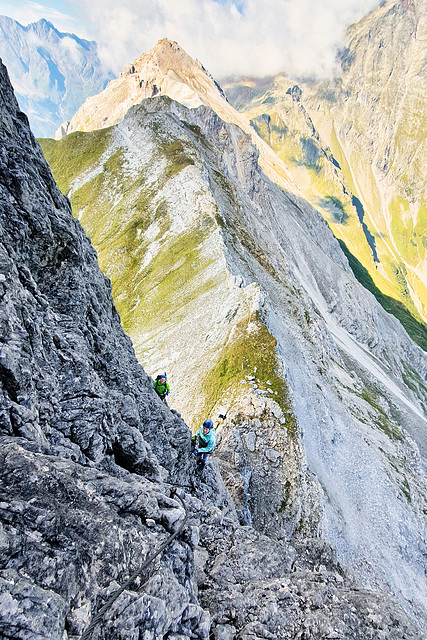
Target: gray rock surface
(263, 467)
(92, 463)
(70, 380)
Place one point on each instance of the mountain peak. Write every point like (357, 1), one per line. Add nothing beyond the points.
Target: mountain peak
(169, 70)
(168, 47)
(165, 55)
(44, 23)
(164, 44)
(43, 26)
(164, 70)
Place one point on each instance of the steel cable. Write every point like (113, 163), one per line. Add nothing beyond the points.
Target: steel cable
(113, 597)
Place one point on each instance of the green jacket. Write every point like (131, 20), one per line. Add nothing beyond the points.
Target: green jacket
(162, 390)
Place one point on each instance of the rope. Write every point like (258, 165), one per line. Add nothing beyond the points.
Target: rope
(98, 617)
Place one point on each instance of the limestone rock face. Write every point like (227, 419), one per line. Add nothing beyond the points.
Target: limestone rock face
(384, 75)
(77, 412)
(72, 534)
(304, 602)
(96, 474)
(52, 72)
(380, 119)
(262, 462)
(62, 356)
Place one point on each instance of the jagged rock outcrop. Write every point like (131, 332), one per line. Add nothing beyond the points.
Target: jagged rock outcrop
(319, 598)
(92, 465)
(52, 72)
(262, 463)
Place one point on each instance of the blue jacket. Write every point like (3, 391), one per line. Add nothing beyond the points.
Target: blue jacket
(206, 440)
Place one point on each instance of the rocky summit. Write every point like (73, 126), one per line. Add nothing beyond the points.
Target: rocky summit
(106, 531)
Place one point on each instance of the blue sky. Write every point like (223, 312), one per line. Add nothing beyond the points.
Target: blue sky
(59, 12)
(253, 37)
(239, 4)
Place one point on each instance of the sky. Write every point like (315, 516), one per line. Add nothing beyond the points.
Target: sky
(245, 37)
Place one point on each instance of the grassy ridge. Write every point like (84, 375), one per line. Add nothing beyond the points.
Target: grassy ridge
(73, 155)
(116, 210)
(251, 350)
(157, 276)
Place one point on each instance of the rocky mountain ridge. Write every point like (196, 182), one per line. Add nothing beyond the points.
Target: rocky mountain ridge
(382, 227)
(52, 72)
(168, 70)
(97, 472)
(241, 292)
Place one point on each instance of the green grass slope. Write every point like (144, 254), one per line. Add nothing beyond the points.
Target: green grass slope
(163, 273)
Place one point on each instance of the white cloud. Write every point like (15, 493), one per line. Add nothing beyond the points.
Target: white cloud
(255, 37)
(263, 37)
(72, 49)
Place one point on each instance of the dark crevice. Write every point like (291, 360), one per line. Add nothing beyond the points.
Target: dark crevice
(123, 459)
(9, 382)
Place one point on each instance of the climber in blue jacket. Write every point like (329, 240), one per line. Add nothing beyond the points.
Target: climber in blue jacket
(204, 442)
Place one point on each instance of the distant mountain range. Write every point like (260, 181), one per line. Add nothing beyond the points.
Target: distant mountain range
(356, 146)
(52, 72)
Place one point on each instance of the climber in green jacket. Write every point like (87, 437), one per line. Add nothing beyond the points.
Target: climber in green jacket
(161, 386)
(205, 438)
